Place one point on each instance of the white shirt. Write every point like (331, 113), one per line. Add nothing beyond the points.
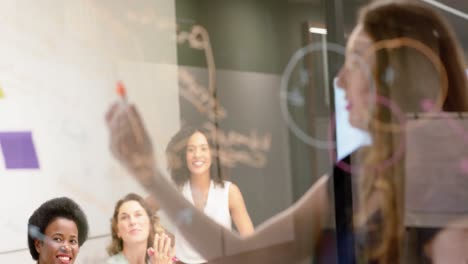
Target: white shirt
(216, 207)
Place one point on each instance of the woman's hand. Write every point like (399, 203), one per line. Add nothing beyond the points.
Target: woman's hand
(162, 251)
(129, 141)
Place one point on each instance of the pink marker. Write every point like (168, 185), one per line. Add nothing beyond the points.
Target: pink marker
(121, 91)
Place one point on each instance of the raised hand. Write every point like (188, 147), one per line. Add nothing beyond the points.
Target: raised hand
(129, 141)
(162, 251)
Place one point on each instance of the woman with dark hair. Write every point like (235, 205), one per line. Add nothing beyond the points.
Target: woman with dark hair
(401, 57)
(134, 236)
(56, 231)
(199, 179)
(177, 151)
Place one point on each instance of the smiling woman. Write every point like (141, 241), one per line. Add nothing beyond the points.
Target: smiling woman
(61, 229)
(196, 173)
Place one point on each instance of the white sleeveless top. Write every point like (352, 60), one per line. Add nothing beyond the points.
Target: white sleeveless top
(216, 207)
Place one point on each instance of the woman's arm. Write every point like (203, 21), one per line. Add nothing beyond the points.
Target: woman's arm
(239, 213)
(285, 238)
(152, 203)
(288, 237)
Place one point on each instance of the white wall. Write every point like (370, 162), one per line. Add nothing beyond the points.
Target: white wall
(59, 64)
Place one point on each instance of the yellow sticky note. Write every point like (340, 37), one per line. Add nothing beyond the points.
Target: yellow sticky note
(1, 93)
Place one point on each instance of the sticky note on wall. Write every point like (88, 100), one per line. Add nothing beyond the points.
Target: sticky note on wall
(18, 150)
(1, 92)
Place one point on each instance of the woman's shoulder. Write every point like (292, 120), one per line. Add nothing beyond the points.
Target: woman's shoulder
(117, 259)
(221, 185)
(227, 183)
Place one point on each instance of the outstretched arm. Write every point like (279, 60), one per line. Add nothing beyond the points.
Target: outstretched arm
(288, 237)
(239, 213)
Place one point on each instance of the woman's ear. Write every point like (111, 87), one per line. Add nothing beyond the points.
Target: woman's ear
(38, 244)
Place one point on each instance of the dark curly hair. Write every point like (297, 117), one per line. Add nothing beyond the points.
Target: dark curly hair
(62, 207)
(176, 159)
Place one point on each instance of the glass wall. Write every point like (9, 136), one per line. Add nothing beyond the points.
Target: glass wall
(257, 77)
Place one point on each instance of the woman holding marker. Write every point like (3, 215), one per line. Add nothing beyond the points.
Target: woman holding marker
(137, 237)
(57, 230)
(389, 69)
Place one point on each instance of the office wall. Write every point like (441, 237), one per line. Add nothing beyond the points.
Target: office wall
(60, 61)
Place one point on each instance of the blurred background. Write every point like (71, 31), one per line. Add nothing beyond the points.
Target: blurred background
(260, 74)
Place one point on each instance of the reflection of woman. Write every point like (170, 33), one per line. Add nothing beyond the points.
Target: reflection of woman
(133, 235)
(191, 166)
(404, 43)
(57, 230)
(400, 74)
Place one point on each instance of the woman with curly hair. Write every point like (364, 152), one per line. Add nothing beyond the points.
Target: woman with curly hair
(57, 230)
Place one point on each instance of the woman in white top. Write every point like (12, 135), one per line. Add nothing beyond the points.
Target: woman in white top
(198, 177)
(134, 240)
